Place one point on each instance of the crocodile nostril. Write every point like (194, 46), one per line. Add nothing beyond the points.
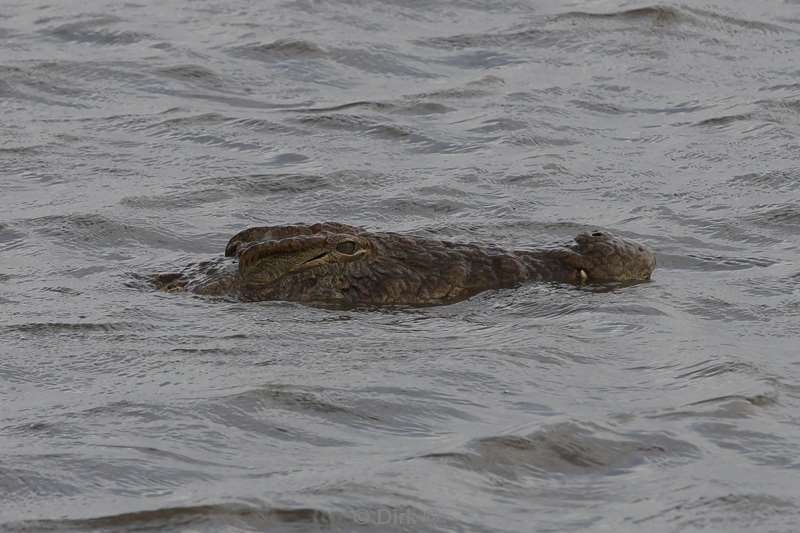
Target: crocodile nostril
(597, 234)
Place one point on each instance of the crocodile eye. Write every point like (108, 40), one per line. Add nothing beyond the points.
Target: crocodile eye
(346, 247)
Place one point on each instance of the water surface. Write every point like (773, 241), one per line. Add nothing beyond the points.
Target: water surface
(138, 137)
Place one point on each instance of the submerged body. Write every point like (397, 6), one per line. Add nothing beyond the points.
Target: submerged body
(337, 264)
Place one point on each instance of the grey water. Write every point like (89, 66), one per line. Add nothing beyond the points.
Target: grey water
(138, 137)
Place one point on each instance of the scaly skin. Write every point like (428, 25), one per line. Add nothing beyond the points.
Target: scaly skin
(337, 264)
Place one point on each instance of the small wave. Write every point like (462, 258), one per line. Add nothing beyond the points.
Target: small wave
(721, 407)
(567, 448)
(285, 397)
(371, 106)
(22, 482)
(422, 108)
(213, 129)
(378, 129)
(377, 61)
(404, 108)
(725, 120)
(727, 512)
(21, 150)
(656, 14)
(190, 73)
(599, 107)
(783, 107)
(381, 60)
(200, 129)
(91, 31)
(219, 189)
(766, 112)
(711, 368)
(215, 515)
(667, 16)
(772, 180)
(342, 121)
(302, 410)
(234, 101)
(278, 50)
(249, 416)
(203, 119)
(530, 138)
(782, 86)
(528, 37)
(10, 238)
(417, 206)
(40, 328)
(500, 125)
(187, 199)
(398, 107)
(474, 89)
(713, 308)
(269, 184)
(735, 25)
(550, 32)
(784, 215)
(63, 290)
(717, 263)
(38, 83)
(264, 184)
(128, 412)
(260, 125)
(97, 233)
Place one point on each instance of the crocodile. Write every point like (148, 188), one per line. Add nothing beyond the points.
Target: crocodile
(338, 264)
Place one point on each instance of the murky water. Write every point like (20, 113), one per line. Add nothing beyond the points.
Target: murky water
(139, 137)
